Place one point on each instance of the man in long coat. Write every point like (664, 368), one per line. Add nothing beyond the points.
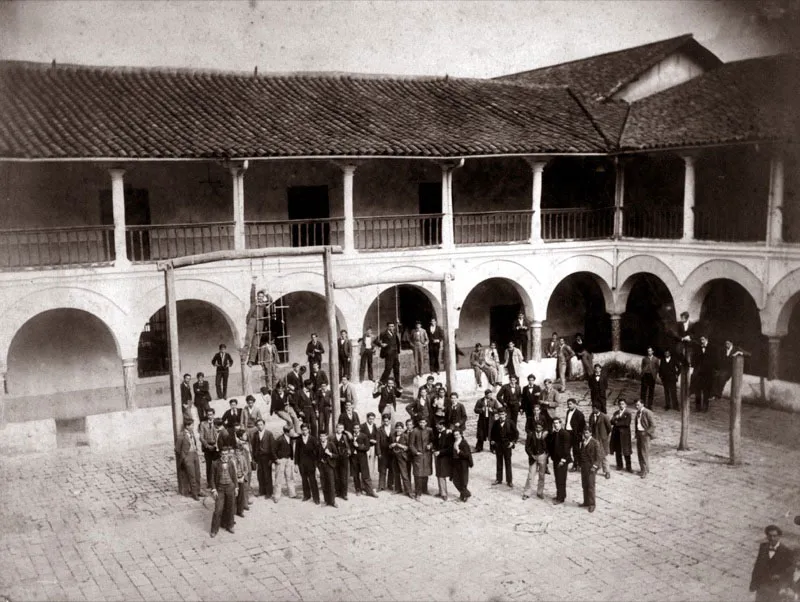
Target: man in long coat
(600, 426)
(621, 435)
(486, 408)
(442, 452)
(421, 446)
(513, 360)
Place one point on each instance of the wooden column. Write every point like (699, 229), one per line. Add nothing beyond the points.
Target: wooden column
(774, 357)
(129, 375)
(619, 199)
(348, 172)
(247, 387)
(449, 333)
(536, 341)
(735, 441)
(683, 443)
(775, 215)
(174, 358)
(237, 178)
(616, 332)
(121, 258)
(333, 361)
(448, 235)
(537, 167)
(688, 198)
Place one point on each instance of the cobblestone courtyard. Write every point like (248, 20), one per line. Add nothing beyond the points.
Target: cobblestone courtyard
(80, 525)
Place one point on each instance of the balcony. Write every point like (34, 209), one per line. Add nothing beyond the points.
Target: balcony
(157, 242)
(729, 226)
(492, 227)
(294, 233)
(398, 232)
(653, 222)
(47, 247)
(577, 223)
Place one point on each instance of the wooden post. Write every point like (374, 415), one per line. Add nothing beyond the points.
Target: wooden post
(333, 349)
(449, 334)
(735, 442)
(174, 359)
(246, 372)
(683, 443)
(129, 381)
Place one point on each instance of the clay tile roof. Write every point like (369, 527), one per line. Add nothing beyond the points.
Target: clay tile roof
(93, 112)
(744, 101)
(600, 76)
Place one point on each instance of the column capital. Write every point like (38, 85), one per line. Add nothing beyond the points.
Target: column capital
(235, 167)
(129, 362)
(537, 163)
(448, 165)
(689, 157)
(615, 317)
(536, 324)
(348, 166)
(116, 172)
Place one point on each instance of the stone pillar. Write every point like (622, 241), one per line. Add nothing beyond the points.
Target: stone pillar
(774, 357)
(536, 201)
(775, 216)
(348, 171)
(3, 393)
(448, 236)
(688, 198)
(355, 358)
(245, 376)
(118, 207)
(129, 374)
(616, 332)
(619, 200)
(536, 341)
(237, 176)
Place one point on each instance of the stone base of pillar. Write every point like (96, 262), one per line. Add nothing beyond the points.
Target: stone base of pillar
(616, 333)
(774, 358)
(129, 374)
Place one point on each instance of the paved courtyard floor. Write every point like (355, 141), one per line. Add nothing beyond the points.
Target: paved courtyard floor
(81, 525)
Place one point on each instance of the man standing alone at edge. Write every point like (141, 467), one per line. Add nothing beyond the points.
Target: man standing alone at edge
(222, 361)
(345, 354)
(772, 565)
(435, 338)
(645, 425)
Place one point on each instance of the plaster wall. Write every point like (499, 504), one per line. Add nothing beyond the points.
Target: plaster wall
(677, 68)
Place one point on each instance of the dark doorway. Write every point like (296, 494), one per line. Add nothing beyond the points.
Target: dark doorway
(309, 206)
(137, 213)
(501, 321)
(648, 317)
(430, 203)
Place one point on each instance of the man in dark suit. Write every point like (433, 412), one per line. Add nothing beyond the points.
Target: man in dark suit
(224, 483)
(371, 429)
(531, 396)
(222, 361)
(186, 450)
(598, 387)
(384, 454)
(233, 416)
(645, 429)
(186, 397)
(202, 397)
(669, 371)
(314, 351)
(342, 468)
(389, 342)
(328, 460)
(589, 460)
(704, 364)
(306, 453)
(294, 378)
(456, 414)
(649, 370)
(574, 424)
(307, 404)
(772, 565)
(262, 443)
(435, 338)
(345, 348)
(502, 441)
(510, 396)
(558, 447)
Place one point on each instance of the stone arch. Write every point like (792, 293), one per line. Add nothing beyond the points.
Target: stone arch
(780, 303)
(63, 297)
(348, 306)
(523, 280)
(697, 283)
(232, 307)
(598, 268)
(647, 264)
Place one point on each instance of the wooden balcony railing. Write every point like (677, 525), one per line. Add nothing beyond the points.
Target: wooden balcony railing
(294, 233)
(398, 231)
(577, 223)
(653, 222)
(729, 226)
(156, 242)
(488, 227)
(41, 247)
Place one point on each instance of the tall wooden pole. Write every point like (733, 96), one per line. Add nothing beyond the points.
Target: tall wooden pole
(333, 349)
(683, 444)
(449, 333)
(735, 442)
(174, 358)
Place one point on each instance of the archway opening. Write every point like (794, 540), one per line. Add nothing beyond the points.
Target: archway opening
(789, 356)
(202, 328)
(728, 312)
(488, 314)
(649, 315)
(300, 314)
(405, 304)
(56, 354)
(578, 305)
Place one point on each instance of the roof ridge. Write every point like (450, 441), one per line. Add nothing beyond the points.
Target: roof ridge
(683, 38)
(591, 118)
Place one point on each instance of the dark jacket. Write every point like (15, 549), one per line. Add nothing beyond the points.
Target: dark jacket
(510, 396)
(621, 433)
(306, 454)
(591, 453)
(263, 448)
(578, 423)
(559, 446)
(669, 372)
(535, 446)
(456, 414)
(530, 398)
(766, 569)
(503, 434)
